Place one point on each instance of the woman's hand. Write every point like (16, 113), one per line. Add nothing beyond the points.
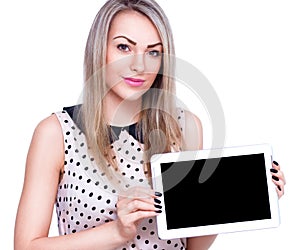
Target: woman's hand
(133, 205)
(278, 178)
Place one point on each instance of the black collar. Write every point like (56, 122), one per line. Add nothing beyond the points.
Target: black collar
(114, 130)
(131, 129)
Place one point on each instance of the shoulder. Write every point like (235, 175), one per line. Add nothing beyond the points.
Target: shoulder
(47, 141)
(49, 127)
(193, 131)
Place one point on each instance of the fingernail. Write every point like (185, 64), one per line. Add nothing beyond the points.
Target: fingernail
(157, 201)
(273, 170)
(275, 178)
(157, 206)
(158, 194)
(279, 188)
(276, 163)
(158, 211)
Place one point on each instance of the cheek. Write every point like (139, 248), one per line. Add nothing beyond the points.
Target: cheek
(152, 65)
(114, 70)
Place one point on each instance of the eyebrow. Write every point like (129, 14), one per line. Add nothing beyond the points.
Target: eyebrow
(134, 43)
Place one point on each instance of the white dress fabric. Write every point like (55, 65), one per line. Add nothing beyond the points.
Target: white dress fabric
(85, 199)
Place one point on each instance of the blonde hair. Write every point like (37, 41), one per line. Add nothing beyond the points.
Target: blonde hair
(158, 104)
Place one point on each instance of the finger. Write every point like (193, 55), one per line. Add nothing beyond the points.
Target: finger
(279, 174)
(126, 206)
(275, 165)
(137, 205)
(279, 186)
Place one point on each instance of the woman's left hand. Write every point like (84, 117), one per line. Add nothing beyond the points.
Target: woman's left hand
(278, 178)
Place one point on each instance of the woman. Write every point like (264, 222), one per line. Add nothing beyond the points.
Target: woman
(92, 160)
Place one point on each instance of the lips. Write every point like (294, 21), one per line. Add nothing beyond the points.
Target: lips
(134, 82)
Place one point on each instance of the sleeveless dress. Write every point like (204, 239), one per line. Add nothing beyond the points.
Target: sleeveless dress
(86, 200)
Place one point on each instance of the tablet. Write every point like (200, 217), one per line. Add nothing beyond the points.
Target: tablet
(215, 191)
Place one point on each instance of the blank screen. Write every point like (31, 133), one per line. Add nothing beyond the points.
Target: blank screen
(236, 191)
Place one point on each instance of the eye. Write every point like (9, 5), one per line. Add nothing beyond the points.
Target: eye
(154, 53)
(123, 47)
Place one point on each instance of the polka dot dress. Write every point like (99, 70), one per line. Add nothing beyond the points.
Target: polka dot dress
(85, 199)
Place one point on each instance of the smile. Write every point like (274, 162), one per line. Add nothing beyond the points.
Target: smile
(134, 82)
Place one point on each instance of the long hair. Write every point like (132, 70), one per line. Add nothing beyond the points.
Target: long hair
(158, 104)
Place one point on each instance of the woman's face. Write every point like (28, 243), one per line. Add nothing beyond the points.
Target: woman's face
(133, 59)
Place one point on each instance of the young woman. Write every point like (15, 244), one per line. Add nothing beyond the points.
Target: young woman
(91, 160)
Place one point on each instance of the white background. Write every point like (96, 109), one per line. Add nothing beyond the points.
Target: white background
(249, 51)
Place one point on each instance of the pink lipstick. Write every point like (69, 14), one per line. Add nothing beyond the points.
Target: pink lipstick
(134, 82)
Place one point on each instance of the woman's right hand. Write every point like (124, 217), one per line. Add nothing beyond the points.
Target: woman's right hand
(133, 205)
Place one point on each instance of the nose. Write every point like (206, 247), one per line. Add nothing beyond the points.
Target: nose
(137, 63)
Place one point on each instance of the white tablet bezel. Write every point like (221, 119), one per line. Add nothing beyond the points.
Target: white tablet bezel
(164, 233)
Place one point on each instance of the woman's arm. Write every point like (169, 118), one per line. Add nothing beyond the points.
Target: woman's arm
(193, 136)
(44, 164)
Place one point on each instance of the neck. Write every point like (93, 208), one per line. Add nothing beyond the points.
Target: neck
(120, 112)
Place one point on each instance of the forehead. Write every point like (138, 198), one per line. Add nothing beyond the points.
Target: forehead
(135, 26)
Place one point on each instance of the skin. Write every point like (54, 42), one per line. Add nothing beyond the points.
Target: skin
(45, 159)
(134, 53)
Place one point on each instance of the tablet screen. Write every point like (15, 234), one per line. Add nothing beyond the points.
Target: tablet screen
(236, 191)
